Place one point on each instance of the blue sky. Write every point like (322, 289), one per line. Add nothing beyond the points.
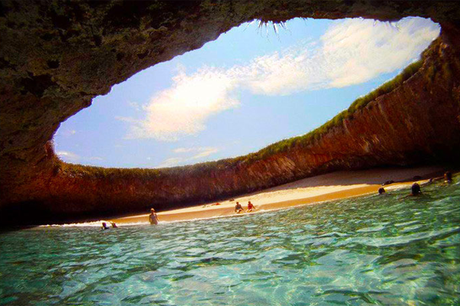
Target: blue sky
(251, 87)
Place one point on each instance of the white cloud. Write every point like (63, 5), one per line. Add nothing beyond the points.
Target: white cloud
(171, 162)
(66, 133)
(205, 152)
(361, 51)
(184, 150)
(351, 51)
(135, 105)
(73, 158)
(198, 152)
(68, 156)
(201, 151)
(184, 108)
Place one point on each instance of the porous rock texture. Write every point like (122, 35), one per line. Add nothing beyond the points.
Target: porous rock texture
(55, 56)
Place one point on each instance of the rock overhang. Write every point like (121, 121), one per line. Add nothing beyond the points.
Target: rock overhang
(56, 56)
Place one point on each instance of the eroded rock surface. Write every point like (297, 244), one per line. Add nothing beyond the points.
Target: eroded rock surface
(56, 56)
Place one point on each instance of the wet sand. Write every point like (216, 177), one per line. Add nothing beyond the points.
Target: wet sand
(332, 186)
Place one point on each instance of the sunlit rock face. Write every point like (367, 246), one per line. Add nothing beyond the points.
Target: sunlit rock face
(55, 57)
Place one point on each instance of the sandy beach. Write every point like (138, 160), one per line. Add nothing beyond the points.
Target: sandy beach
(332, 186)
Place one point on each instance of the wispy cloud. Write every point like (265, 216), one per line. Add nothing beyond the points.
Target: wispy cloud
(135, 105)
(205, 153)
(197, 153)
(184, 150)
(359, 52)
(68, 156)
(171, 162)
(351, 52)
(74, 158)
(66, 133)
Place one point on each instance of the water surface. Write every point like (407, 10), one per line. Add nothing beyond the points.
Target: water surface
(376, 250)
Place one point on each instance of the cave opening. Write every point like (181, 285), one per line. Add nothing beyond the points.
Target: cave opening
(248, 89)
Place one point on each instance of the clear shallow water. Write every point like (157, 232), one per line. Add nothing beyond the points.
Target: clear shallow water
(388, 250)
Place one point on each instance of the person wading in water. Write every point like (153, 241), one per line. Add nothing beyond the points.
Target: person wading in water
(153, 217)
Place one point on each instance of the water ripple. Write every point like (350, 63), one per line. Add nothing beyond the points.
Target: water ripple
(390, 250)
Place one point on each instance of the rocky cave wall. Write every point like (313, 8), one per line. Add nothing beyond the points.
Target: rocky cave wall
(56, 56)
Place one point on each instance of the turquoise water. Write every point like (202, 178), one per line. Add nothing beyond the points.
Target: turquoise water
(376, 250)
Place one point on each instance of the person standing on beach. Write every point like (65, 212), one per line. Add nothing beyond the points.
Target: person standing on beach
(153, 217)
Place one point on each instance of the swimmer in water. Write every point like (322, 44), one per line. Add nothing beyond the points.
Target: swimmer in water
(448, 177)
(415, 190)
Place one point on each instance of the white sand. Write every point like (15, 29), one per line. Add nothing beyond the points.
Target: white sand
(332, 186)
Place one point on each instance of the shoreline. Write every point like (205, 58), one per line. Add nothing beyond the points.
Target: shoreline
(308, 191)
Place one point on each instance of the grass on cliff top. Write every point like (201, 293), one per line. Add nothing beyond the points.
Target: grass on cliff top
(273, 149)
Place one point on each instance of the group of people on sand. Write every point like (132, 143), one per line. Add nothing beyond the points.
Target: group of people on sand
(416, 190)
(239, 208)
(153, 217)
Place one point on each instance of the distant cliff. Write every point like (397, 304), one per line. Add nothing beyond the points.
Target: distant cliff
(54, 58)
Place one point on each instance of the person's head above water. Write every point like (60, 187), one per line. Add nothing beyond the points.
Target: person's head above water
(448, 176)
(381, 190)
(416, 189)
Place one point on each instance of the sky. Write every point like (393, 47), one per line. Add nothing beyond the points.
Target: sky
(253, 86)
